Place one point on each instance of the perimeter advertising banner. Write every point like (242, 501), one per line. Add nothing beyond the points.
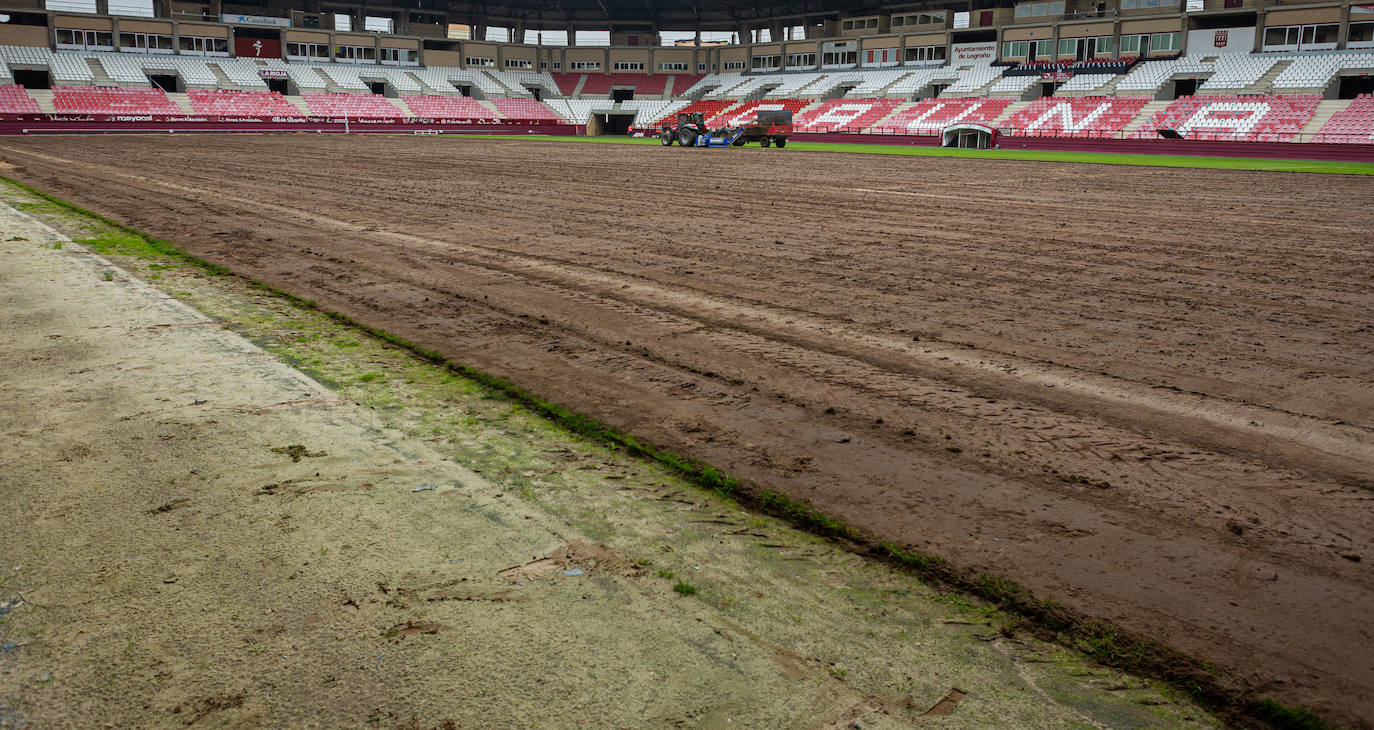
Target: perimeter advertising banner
(257, 48)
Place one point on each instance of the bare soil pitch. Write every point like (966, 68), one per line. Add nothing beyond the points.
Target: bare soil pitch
(1148, 394)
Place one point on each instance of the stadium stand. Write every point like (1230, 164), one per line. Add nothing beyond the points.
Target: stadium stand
(1234, 118)
(567, 83)
(365, 106)
(449, 107)
(792, 85)
(746, 113)
(112, 100)
(355, 77)
(242, 72)
(240, 103)
(576, 111)
(647, 84)
(969, 79)
(709, 108)
(127, 68)
(683, 82)
(1233, 71)
(930, 116)
(648, 111)
(1316, 70)
(711, 83)
(66, 68)
(1013, 85)
(306, 77)
(1074, 116)
(914, 82)
(525, 109)
(1236, 71)
(1082, 83)
(876, 81)
(1352, 125)
(442, 79)
(834, 84)
(1150, 74)
(520, 82)
(744, 87)
(844, 115)
(345, 77)
(122, 68)
(1103, 98)
(15, 100)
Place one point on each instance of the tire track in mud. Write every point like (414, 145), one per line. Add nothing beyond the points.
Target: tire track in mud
(1152, 552)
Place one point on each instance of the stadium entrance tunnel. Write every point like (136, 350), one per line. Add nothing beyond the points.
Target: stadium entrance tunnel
(968, 136)
(32, 79)
(609, 125)
(1350, 86)
(167, 83)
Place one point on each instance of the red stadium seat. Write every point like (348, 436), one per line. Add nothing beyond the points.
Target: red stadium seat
(1074, 116)
(112, 100)
(1253, 118)
(709, 109)
(241, 103)
(15, 100)
(844, 115)
(1352, 125)
(526, 110)
(930, 116)
(600, 85)
(450, 107)
(357, 106)
(747, 112)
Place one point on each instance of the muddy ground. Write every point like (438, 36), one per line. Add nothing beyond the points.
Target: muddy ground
(1145, 393)
(198, 533)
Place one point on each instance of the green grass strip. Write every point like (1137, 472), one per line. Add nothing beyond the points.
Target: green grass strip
(1047, 619)
(1328, 167)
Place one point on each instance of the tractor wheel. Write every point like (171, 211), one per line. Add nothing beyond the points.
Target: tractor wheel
(687, 138)
(780, 142)
(666, 139)
(765, 142)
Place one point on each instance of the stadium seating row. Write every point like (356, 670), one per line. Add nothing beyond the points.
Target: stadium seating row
(1222, 73)
(1238, 118)
(15, 100)
(240, 103)
(1255, 118)
(1352, 125)
(112, 100)
(1075, 116)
